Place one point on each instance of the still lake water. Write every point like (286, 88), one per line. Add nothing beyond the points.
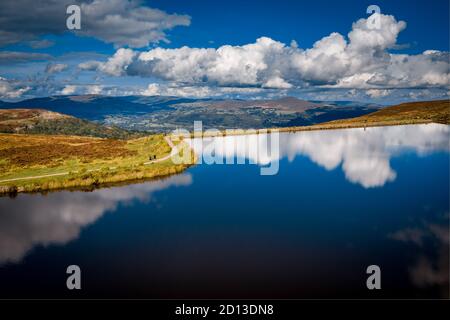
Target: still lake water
(341, 201)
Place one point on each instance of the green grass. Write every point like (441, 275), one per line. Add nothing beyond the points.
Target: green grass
(93, 162)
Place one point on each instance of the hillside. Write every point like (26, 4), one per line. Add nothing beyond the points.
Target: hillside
(405, 113)
(39, 121)
(44, 162)
(410, 112)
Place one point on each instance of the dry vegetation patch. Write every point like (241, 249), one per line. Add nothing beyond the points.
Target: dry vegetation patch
(28, 150)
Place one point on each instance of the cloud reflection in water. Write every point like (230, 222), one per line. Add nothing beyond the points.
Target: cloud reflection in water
(59, 217)
(431, 265)
(363, 154)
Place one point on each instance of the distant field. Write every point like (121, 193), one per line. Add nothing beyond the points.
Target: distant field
(44, 162)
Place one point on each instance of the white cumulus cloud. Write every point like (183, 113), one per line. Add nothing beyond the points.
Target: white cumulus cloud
(361, 60)
(156, 89)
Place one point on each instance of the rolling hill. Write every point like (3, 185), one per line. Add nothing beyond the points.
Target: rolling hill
(39, 121)
(406, 113)
(410, 112)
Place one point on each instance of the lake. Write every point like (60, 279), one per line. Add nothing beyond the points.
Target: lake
(341, 200)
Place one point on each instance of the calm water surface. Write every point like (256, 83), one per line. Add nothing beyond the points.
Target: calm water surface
(341, 201)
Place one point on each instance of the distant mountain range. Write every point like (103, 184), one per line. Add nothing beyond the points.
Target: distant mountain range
(96, 107)
(162, 114)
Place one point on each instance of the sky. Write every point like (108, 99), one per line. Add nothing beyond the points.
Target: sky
(315, 50)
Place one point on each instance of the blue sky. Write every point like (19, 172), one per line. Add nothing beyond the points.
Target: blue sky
(240, 22)
(355, 71)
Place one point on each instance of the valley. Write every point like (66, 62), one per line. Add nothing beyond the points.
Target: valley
(159, 114)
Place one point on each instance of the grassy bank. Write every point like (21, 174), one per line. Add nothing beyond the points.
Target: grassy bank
(33, 163)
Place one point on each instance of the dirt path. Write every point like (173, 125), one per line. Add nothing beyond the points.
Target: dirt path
(172, 152)
(36, 177)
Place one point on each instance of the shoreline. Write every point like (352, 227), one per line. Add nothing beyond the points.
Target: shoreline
(89, 181)
(93, 187)
(315, 127)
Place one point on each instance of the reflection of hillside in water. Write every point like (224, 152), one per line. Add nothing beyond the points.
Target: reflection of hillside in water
(363, 154)
(59, 217)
